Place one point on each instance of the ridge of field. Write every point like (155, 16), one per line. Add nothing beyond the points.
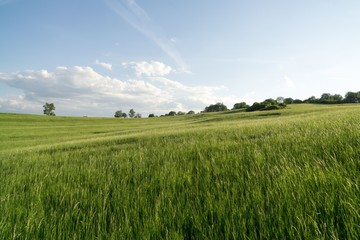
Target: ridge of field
(21, 131)
(291, 173)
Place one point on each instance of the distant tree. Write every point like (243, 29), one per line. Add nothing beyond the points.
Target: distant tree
(180, 113)
(288, 101)
(280, 100)
(138, 115)
(329, 98)
(171, 113)
(268, 104)
(151, 115)
(49, 109)
(240, 105)
(312, 99)
(131, 113)
(337, 98)
(297, 101)
(325, 97)
(255, 107)
(191, 112)
(118, 114)
(352, 97)
(218, 107)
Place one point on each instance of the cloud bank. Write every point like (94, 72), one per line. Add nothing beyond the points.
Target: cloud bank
(83, 91)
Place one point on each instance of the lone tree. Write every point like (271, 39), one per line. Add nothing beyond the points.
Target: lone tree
(280, 100)
(49, 109)
(131, 113)
(120, 114)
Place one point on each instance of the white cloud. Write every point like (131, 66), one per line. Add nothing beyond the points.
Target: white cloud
(82, 86)
(196, 97)
(105, 65)
(83, 91)
(169, 83)
(18, 104)
(149, 69)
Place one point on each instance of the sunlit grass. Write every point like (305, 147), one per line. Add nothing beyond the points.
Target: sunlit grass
(290, 174)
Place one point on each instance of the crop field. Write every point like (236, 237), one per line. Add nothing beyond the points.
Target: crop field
(282, 174)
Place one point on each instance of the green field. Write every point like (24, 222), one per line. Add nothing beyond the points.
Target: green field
(284, 174)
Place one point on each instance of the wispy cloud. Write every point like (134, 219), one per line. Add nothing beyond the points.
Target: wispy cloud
(137, 17)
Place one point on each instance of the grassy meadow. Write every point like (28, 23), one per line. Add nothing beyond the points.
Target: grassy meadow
(283, 174)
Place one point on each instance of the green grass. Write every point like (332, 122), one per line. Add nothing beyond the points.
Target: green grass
(291, 173)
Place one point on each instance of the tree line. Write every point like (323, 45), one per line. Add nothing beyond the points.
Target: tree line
(327, 98)
(267, 104)
(281, 102)
(131, 114)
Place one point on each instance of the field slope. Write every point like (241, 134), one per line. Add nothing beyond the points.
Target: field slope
(292, 173)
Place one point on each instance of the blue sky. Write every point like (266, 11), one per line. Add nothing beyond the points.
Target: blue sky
(93, 57)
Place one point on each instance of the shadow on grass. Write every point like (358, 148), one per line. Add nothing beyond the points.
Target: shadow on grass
(269, 114)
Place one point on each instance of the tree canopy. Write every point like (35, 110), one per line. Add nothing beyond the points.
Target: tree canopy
(352, 97)
(268, 104)
(49, 109)
(120, 114)
(218, 107)
(240, 105)
(131, 113)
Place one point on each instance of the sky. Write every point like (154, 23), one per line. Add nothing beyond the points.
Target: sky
(94, 57)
